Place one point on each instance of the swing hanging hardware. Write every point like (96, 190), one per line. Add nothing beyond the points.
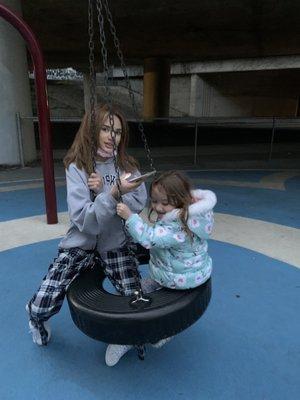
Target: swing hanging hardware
(141, 351)
(140, 301)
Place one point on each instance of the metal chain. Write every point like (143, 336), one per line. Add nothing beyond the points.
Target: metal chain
(100, 18)
(113, 136)
(125, 73)
(92, 81)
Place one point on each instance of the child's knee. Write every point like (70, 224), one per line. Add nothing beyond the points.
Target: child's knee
(149, 285)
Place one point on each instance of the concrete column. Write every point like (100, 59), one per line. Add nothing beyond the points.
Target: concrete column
(156, 88)
(15, 95)
(195, 96)
(200, 97)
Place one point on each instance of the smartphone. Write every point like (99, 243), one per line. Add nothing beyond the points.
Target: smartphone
(141, 177)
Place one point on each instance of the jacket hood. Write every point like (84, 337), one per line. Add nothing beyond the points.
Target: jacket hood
(205, 200)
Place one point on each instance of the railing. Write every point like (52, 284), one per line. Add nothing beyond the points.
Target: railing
(271, 123)
(268, 123)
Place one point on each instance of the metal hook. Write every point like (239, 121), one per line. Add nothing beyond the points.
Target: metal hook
(141, 350)
(139, 297)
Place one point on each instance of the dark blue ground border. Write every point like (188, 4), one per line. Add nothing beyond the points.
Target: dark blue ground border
(246, 346)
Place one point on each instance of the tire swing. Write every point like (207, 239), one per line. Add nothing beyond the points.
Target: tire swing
(116, 319)
(137, 319)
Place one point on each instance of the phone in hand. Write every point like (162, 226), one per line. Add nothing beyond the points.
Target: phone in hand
(141, 177)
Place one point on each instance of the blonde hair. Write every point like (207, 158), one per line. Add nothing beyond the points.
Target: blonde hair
(82, 150)
(178, 190)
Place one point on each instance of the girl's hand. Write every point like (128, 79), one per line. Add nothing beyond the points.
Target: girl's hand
(125, 186)
(123, 211)
(95, 182)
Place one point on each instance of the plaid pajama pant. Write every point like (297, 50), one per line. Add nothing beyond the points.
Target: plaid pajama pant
(49, 298)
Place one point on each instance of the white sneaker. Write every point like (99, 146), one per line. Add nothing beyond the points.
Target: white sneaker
(161, 342)
(37, 333)
(114, 352)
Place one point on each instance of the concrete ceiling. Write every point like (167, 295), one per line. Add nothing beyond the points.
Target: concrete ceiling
(183, 30)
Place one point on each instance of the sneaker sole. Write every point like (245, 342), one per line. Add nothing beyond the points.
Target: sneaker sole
(111, 363)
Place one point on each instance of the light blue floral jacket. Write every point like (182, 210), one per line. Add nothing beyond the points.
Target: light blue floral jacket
(178, 261)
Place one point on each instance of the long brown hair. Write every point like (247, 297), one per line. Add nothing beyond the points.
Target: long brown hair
(178, 190)
(82, 151)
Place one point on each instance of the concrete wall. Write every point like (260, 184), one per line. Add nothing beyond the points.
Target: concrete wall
(66, 99)
(213, 103)
(247, 94)
(180, 96)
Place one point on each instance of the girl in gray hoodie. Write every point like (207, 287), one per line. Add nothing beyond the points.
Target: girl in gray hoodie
(95, 234)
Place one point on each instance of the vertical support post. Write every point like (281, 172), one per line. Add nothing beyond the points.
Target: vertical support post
(272, 139)
(20, 139)
(196, 142)
(156, 88)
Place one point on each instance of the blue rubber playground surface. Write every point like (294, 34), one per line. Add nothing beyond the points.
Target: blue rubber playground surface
(246, 345)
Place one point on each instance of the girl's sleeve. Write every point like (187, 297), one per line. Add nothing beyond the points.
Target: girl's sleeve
(153, 236)
(88, 216)
(202, 224)
(136, 200)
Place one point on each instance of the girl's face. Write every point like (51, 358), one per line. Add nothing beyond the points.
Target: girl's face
(160, 202)
(105, 139)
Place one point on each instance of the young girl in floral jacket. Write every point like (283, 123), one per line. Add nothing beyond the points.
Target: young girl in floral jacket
(178, 239)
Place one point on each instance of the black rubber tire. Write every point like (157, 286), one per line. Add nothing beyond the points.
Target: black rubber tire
(112, 319)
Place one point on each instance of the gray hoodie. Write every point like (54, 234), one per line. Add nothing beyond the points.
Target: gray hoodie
(97, 221)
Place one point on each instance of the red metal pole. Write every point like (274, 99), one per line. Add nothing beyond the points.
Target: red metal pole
(42, 106)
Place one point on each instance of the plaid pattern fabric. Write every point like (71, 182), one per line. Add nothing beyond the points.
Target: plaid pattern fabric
(121, 269)
(49, 298)
(65, 268)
